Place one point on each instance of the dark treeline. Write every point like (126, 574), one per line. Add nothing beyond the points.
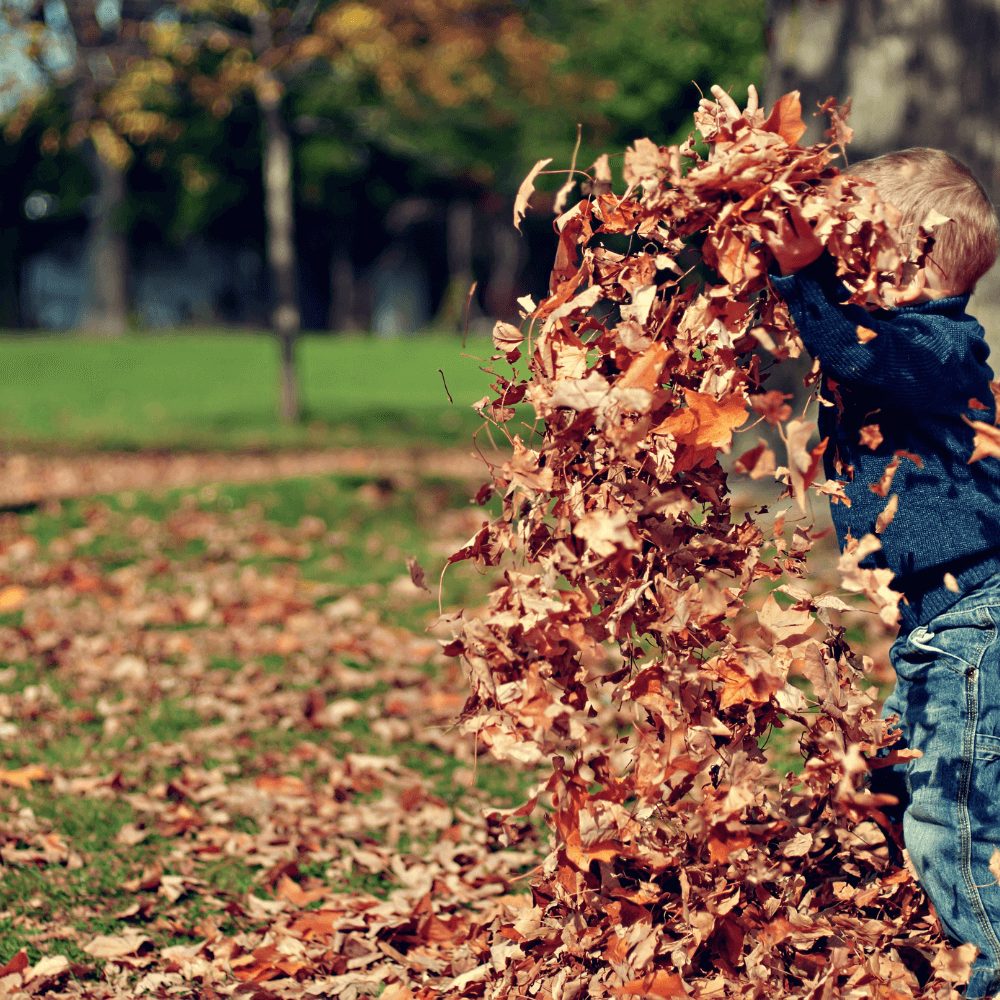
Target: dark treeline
(143, 157)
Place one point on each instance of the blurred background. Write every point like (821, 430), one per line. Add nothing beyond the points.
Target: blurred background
(217, 169)
(250, 254)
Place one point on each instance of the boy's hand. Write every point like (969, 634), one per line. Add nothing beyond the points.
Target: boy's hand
(725, 112)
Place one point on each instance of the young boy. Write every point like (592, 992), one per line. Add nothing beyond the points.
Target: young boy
(898, 402)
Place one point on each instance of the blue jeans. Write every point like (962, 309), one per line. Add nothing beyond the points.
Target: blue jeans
(947, 697)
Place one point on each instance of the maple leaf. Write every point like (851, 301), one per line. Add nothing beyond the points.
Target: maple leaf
(793, 242)
(757, 463)
(119, 947)
(606, 533)
(18, 963)
(871, 436)
(839, 132)
(885, 518)
(506, 337)
(772, 406)
(803, 463)
(706, 422)
(644, 371)
(417, 574)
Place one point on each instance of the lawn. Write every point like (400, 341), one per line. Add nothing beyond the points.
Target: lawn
(219, 390)
(229, 743)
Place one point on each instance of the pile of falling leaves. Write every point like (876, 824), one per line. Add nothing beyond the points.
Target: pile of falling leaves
(647, 637)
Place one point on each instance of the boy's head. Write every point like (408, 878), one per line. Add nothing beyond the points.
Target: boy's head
(918, 181)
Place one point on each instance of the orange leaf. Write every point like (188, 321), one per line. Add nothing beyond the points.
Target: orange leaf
(871, 436)
(645, 370)
(722, 845)
(661, 985)
(316, 923)
(18, 963)
(397, 991)
(865, 334)
(757, 462)
(23, 776)
(793, 243)
(986, 442)
(582, 854)
(707, 421)
(296, 895)
(12, 598)
(885, 518)
(786, 118)
(285, 784)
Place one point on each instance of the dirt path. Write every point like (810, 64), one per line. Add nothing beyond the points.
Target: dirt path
(27, 479)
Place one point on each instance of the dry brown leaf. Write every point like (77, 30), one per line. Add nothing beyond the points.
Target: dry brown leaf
(986, 441)
(526, 190)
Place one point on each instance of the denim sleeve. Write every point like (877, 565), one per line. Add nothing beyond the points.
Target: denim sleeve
(925, 356)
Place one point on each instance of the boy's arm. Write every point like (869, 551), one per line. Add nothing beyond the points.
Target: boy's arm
(916, 359)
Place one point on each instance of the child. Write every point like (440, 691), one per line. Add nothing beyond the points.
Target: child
(896, 429)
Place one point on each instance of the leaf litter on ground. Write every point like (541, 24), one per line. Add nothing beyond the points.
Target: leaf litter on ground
(224, 764)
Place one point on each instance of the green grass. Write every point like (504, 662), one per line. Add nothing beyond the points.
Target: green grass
(219, 390)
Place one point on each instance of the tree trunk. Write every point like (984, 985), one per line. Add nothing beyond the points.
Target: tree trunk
(342, 288)
(459, 235)
(281, 256)
(105, 309)
(503, 286)
(919, 72)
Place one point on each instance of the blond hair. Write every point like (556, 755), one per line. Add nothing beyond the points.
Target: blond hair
(920, 180)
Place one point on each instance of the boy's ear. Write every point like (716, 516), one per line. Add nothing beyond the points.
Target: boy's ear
(913, 292)
(918, 291)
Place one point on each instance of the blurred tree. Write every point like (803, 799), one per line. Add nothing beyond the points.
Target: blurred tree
(459, 90)
(228, 48)
(922, 74)
(92, 58)
(649, 60)
(917, 74)
(420, 78)
(31, 212)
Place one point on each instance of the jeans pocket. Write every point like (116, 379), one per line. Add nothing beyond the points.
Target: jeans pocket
(956, 640)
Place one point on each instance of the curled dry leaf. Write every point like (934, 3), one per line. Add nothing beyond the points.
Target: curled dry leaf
(526, 190)
(986, 441)
(417, 574)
